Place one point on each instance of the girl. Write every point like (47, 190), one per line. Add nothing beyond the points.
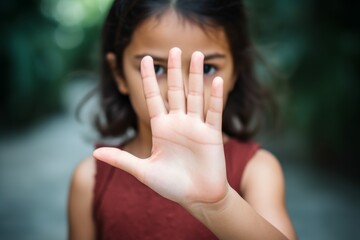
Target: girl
(170, 66)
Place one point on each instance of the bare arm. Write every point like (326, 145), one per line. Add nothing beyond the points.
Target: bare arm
(187, 164)
(261, 213)
(234, 218)
(80, 220)
(263, 187)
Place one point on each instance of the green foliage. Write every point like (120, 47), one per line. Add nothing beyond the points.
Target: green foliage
(315, 47)
(42, 43)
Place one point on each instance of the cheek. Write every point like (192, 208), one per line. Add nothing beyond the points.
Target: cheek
(137, 99)
(229, 83)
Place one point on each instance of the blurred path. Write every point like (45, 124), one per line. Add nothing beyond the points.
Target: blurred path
(36, 166)
(35, 170)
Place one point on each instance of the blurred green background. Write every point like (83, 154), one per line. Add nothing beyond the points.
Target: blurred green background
(314, 49)
(42, 43)
(307, 52)
(309, 48)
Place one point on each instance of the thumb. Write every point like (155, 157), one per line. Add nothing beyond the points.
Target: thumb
(120, 159)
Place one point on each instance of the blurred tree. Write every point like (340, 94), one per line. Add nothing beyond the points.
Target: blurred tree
(315, 46)
(326, 85)
(42, 42)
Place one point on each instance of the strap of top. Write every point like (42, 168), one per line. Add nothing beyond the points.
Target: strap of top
(237, 155)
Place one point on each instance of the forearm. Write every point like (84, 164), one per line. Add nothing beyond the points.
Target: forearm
(233, 218)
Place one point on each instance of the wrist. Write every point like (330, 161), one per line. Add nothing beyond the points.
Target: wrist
(205, 211)
(232, 218)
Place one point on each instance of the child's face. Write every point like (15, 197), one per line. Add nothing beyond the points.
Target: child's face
(155, 37)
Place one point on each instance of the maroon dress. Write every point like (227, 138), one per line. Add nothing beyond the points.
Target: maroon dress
(124, 208)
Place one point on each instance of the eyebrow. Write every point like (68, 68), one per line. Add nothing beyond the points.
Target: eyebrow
(161, 59)
(155, 58)
(214, 56)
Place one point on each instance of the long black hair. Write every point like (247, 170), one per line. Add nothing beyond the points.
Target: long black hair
(245, 100)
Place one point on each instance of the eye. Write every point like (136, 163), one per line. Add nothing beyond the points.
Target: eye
(159, 70)
(209, 69)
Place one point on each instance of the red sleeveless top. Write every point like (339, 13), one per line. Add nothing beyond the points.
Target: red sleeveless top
(124, 208)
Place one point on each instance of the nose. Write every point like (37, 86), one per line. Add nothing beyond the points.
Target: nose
(186, 83)
(164, 92)
(185, 77)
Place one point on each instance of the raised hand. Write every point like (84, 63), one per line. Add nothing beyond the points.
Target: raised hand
(187, 161)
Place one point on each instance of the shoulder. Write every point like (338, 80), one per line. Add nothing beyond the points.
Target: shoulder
(263, 187)
(263, 161)
(262, 169)
(81, 225)
(82, 183)
(83, 175)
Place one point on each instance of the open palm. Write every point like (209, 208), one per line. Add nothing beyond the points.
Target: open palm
(187, 162)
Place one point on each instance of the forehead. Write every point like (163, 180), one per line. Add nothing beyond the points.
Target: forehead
(169, 30)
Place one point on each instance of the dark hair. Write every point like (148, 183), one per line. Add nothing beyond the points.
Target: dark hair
(245, 100)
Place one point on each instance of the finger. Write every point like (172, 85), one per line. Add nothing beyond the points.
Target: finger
(195, 98)
(120, 159)
(153, 97)
(176, 94)
(214, 112)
